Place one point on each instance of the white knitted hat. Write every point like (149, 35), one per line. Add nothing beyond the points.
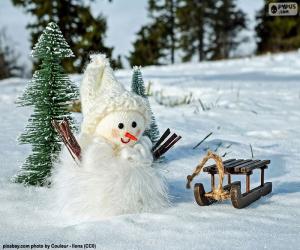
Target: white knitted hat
(101, 94)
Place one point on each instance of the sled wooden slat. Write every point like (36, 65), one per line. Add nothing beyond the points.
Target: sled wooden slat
(226, 164)
(233, 165)
(246, 164)
(238, 166)
(229, 166)
(213, 167)
(205, 169)
(261, 164)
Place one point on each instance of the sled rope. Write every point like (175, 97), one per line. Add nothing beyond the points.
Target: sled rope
(217, 193)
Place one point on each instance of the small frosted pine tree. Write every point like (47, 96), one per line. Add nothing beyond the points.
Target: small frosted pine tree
(138, 87)
(49, 93)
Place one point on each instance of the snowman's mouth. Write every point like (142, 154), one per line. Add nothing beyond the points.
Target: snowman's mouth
(124, 141)
(130, 137)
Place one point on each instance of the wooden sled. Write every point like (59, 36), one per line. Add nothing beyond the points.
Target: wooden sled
(233, 189)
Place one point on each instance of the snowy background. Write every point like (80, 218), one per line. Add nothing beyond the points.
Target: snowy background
(245, 101)
(124, 19)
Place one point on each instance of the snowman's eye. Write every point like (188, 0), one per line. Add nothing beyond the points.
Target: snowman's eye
(133, 124)
(120, 125)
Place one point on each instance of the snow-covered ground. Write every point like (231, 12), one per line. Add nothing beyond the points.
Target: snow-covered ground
(246, 101)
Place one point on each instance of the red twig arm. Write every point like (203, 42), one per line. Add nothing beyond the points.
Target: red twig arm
(68, 138)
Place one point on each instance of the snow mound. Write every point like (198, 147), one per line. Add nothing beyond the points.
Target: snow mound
(251, 101)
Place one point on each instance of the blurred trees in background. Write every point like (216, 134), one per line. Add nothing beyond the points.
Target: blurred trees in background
(277, 33)
(156, 42)
(193, 20)
(148, 47)
(226, 22)
(178, 30)
(83, 32)
(207, 29)
(162, 12)
(9, 66)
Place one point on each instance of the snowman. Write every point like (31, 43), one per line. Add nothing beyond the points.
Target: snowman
(116, 174)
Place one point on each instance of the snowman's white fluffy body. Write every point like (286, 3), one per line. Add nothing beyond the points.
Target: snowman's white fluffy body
(108, 182)
(115, 175)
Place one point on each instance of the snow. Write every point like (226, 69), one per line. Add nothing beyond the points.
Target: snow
(251, 101)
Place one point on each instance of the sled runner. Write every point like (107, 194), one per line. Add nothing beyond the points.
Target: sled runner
(63, 129)
(233, 189)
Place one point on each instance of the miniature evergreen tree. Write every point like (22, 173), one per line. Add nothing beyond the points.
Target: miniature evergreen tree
(49, 93)
(138, 87)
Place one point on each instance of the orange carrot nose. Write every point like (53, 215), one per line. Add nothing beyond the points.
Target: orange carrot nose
(130, 136)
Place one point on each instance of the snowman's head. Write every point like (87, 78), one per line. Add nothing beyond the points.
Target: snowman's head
(108, 109)
(121, 128)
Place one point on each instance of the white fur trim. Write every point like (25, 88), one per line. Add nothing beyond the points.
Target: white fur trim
(107, 104)
(106, 185)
